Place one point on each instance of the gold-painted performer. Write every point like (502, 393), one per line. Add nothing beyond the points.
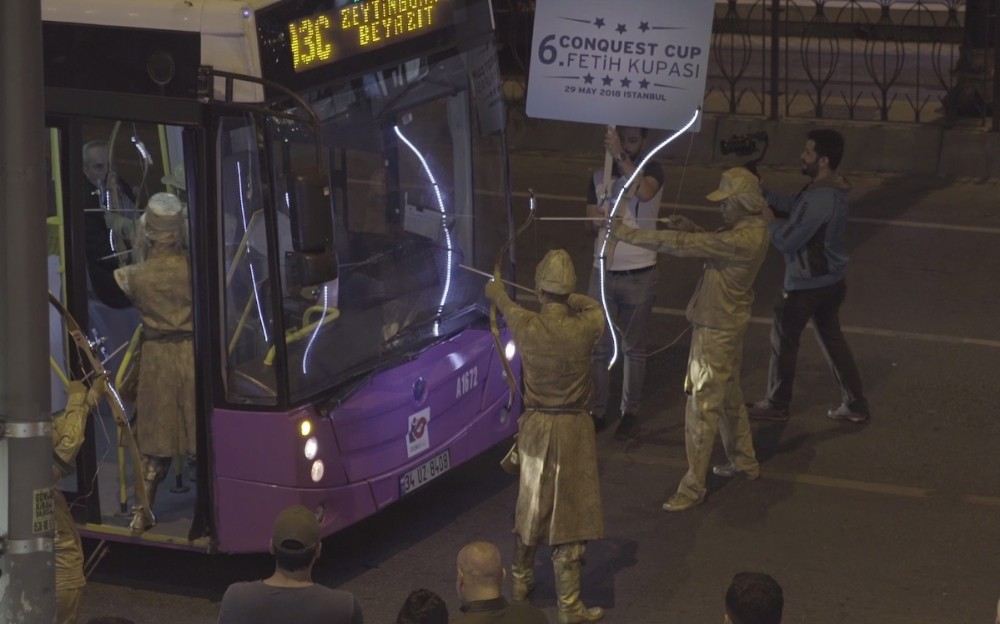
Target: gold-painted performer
(559, 501)
(159, 285)
(68, 429)
(719, 312)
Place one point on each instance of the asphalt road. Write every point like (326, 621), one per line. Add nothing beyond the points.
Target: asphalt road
(891, 522)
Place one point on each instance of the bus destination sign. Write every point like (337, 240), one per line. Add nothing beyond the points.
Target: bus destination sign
(360, 27)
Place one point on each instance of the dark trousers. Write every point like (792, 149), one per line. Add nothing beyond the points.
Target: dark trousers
(791, 315)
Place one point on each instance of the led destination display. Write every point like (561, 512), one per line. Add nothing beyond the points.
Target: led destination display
(338, 34)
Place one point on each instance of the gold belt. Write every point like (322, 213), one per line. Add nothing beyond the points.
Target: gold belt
(556, 410)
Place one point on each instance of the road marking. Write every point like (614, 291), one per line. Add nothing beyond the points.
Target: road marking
(992, 501)
(901, 491)
(975, 229)
(869, 331)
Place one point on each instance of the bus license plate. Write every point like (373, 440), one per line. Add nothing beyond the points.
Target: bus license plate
(427, 471)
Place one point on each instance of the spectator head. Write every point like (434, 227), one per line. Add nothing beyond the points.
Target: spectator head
(823, 152)
(480, 572)
(109, 619)
(95, 161)
(295, 540)
(423, 606)
(633, 139)
(754, 598)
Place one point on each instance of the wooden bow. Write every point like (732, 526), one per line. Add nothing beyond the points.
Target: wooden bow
(98, 377)
(497, 275)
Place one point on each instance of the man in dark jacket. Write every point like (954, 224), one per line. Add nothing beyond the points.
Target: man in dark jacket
(809, 230)
(480, 577)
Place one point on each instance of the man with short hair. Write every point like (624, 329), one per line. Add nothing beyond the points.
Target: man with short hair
(423, 606)
(809, 230)
(480, 577)
(558, 497)
(630, 273)
(289, 595)
(754, 598)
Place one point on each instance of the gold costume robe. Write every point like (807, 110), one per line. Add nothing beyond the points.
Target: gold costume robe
(559, 498)
(67, 436)
(160, 287)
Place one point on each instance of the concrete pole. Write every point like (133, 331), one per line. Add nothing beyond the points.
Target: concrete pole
(27, 587)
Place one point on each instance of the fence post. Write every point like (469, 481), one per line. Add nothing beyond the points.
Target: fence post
(775, 55)
(995, 43)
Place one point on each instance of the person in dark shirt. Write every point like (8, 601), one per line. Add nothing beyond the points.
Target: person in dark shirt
(480, 577)
(289, 595)
(754, 598)
(423, 606)
(105, 247)
(107, 239)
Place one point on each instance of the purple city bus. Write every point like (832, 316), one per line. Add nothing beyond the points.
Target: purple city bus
(344, 172)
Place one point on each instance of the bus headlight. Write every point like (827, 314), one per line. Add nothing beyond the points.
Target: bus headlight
(311, 448)
(510, 350)
(316, 472)
(305, 428)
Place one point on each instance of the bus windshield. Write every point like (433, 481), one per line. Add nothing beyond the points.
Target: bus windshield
(416, 193)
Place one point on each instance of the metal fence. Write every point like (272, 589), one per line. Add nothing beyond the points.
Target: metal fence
(879, 60)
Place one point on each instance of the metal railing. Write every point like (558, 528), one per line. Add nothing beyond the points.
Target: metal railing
(882, 60)
(876, 60)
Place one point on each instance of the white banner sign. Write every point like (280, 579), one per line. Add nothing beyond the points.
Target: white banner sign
(626, 62)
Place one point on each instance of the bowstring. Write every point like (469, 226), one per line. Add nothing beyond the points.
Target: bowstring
(677, 201)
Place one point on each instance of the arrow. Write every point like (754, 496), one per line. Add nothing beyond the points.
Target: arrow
(490, 277)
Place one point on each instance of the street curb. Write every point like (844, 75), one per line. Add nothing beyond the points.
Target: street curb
(895, 148)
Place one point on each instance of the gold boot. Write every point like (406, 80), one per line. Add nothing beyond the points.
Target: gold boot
(154, 471)
(566, 561)
(522, 570)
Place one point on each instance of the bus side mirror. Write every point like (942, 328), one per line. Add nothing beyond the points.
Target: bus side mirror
(311, 213)
(311, 262)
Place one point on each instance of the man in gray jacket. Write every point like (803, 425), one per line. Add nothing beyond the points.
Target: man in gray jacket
(809, 230)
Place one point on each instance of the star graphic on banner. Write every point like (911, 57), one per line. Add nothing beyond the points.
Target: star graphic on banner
(588, 79)
(626, 83)
(643, 26)
(643, 84)
(599, 22)
(607, 81)
(621, 29)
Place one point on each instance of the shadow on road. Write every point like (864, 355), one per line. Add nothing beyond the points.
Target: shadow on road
(345, 554)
